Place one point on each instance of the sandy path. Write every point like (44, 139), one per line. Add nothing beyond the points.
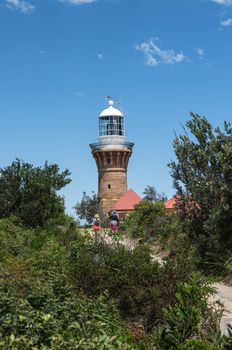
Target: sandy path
(224, 294)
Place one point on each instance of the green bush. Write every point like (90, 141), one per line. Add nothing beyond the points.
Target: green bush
(39, 308)
(74, 323)
(191, 323)
(14, 239)
(32, 262)
(139, 285)
(65, 230)
(146, 221)
(128, 275)
(228, 262)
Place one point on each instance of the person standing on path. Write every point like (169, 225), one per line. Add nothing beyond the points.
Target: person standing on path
(96, 224)
(114, 221)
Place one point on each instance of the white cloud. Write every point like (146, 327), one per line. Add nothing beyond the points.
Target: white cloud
(77, 2)
(223, 2)
(20, 5)
(155, 56)
(226, 22)
(79, 93)
(200, 53)
(100, 56)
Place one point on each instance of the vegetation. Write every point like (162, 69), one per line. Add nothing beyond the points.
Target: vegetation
(29, 193)
(87, 207)
(81, 293)
(183, 327)
(130, 277)
(147, 221)
(202, 177)
(151, 194)
(63, 288)
(72, 323)
(40, 307)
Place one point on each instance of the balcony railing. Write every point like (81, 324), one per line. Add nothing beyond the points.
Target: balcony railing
(111, 144)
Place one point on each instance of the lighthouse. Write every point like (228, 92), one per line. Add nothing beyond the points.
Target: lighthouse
(111, 154)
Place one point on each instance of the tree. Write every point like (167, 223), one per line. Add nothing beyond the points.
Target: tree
(151, 194)
(29, 192)
(202, 176)
(87, 207)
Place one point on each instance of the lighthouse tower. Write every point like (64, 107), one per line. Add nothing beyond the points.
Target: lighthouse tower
(111, 154)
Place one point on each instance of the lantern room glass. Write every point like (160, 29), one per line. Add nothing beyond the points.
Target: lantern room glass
(109, 126)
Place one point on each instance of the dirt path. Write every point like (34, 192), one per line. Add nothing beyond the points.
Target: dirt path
(224, 294)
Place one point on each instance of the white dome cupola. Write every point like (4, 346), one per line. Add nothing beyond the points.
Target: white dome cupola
(111, 111)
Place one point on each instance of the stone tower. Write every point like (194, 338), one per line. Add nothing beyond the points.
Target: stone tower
(111, 154)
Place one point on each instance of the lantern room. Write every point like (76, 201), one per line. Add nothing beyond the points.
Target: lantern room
(111, 124)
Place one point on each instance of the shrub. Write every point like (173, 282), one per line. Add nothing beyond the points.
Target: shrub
(74, 323)
(66, 230)
(128, 275)
(139, 285)
(39, 308)
(14, 239)
(146, 221)
(191, 323)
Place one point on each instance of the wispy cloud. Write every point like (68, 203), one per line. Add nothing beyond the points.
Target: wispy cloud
(26, 7)
(223, 2)
(226, 22)
(155, 56)
(79, 93)
(100, 56)
(200, 53)
(20, 5)
(77, 2)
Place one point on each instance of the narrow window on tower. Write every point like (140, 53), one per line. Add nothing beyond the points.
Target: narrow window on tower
(109, 186)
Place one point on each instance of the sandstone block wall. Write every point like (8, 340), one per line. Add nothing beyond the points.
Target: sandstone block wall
(112, 176)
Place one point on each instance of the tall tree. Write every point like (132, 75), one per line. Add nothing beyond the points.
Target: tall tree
(202, 176)
(151, 194)
(30, 193)
(87, 207)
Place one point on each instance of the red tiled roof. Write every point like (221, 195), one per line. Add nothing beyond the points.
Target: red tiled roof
(171, 203)
(127, 201)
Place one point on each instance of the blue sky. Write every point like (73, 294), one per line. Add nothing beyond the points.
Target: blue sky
(60, 59)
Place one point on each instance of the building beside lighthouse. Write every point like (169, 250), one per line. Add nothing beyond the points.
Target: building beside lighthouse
(111, 153)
